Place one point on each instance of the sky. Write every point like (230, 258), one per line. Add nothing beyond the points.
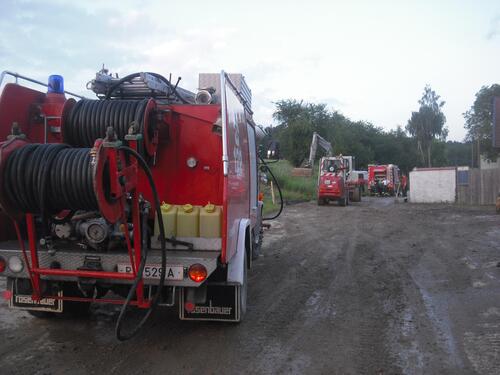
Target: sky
(369, 60)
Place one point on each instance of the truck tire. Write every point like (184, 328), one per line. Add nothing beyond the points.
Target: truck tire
(342, 202)
(257, 245)
(321, 201)
(243, 292)
(71, 309)
(356, 194)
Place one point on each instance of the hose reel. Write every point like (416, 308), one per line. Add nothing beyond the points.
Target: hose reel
(87, 120)
(49, 178)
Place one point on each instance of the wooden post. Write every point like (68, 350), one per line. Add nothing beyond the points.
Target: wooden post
(272, 193)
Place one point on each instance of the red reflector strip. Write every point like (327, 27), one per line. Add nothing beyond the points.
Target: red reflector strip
(189, 306)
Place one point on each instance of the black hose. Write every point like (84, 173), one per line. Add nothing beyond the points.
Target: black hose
(89, 120)
(279, 191)
(48, 178)
(129, 78)
(154, 302)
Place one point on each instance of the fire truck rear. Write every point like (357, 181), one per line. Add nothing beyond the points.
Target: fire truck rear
(383, 179)
(145, 196)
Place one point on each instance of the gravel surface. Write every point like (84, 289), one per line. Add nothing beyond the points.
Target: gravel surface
(377, 287)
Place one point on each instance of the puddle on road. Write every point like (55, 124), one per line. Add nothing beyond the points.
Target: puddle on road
(319, 306)
(491, 312)
(12, 319)
(436, 307)
(402, 339)
(479, 284)
(494, 232)
(275, 358)
(491, 217)
(469, 263)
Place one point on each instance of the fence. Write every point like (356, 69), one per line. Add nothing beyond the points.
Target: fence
(478, 186)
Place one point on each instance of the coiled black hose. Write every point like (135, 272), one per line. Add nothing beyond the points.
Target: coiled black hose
(156, 298)
(89, 119)
(48, 178)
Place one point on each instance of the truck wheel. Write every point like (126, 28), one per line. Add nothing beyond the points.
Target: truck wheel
(71, 309)
(243, 292)
(321, 202)
(257, 245)
(342, 202)
(356, 195)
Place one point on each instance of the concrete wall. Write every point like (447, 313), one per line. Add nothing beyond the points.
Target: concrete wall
(433, 185)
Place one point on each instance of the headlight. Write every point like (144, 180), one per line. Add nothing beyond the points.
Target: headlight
(15, 264)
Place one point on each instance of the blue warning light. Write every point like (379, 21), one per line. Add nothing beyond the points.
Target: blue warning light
(56, 84)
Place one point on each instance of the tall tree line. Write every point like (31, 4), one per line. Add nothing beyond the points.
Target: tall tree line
(479, 123)
(297, 120)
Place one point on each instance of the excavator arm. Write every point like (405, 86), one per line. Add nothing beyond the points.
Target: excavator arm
(323, 143)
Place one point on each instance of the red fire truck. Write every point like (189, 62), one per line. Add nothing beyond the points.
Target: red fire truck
(383, 179)
(82, 181)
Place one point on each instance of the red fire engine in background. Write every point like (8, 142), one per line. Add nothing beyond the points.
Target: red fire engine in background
(383, 179)
(82, 182)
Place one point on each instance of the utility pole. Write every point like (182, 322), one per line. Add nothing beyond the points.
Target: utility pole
(472, 154)
(478, 154)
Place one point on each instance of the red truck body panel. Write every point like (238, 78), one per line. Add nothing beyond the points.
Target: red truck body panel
(188, 131)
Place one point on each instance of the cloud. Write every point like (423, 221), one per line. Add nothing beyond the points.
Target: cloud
(327, 52)
(494, 30)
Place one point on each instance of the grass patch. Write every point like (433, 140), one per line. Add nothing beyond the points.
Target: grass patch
(294, 189)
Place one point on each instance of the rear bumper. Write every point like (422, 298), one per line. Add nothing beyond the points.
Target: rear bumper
(329, 193)
(74, 259)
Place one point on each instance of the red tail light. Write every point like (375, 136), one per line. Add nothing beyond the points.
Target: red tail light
(197, 273)
(2, 264)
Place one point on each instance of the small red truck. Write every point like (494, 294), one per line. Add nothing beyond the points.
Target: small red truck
(383, 179)
(335, 182)
(81, 185)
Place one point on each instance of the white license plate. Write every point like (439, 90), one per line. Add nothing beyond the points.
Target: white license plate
(153, 271)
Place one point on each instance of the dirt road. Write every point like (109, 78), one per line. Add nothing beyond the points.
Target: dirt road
(373, 288)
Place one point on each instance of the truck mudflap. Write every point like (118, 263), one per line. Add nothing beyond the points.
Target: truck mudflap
(20, 299)
(222, 304)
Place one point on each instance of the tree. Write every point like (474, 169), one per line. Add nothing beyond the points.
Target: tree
(297, 121)
(427, 124)
(479, 120)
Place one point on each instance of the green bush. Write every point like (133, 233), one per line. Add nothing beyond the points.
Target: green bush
(294, 189)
